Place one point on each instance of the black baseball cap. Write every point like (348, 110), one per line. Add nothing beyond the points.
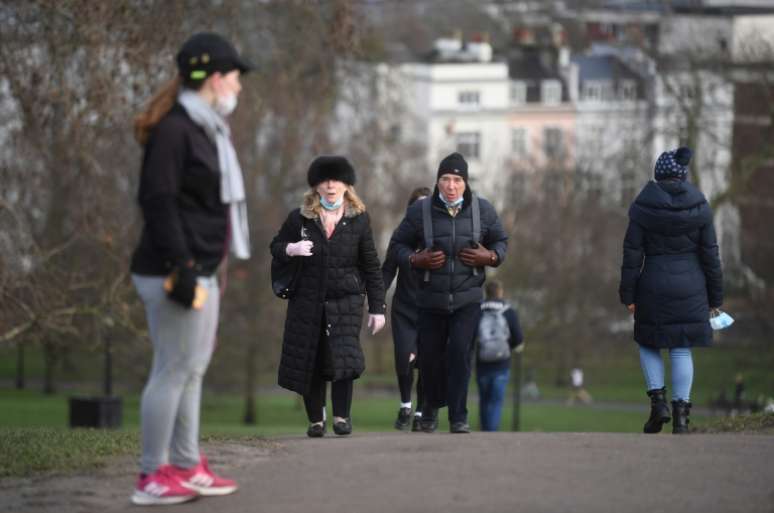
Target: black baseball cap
(206, 53)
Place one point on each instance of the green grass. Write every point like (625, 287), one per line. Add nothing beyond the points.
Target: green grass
(26, 451)
(34, 436)
(762, 423)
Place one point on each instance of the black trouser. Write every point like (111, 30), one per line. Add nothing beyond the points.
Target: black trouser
(406, 381)
(341, 391)
(445, 344)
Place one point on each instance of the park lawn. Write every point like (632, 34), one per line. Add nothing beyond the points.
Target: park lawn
(34, 437)
(283, 414)
(609, 376)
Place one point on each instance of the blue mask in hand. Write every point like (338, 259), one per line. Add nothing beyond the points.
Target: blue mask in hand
(721, 321)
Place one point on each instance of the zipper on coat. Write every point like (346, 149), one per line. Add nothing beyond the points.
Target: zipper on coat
(451, 276)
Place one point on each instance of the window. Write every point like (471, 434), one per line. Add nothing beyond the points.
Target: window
(469, 144)
(551, 92)
(592, 91)
(519, 142)
(469, 99)
(628, 90)
(597, 91)
(518, 92)
(552, 143)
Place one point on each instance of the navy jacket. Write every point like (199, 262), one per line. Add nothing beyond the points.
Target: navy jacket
(671, 266)
(455, 285)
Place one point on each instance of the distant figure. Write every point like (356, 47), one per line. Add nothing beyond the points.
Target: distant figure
(670, 279)
(499, 333)
(404, 328)
(738, 392)
(530, 390)
(577, 392)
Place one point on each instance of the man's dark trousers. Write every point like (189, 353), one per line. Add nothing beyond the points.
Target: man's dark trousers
(445, 344)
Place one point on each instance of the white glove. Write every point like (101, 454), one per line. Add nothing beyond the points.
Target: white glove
(300, 248)
(375, 323)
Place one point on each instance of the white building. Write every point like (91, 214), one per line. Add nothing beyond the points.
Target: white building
(460, 102)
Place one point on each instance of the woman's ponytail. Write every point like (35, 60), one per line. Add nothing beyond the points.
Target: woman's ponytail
(157, 108)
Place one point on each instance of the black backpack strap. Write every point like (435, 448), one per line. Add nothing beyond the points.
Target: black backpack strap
(476, 215)
(427, 227)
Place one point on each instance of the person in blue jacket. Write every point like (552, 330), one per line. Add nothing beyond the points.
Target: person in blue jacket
(670, 279)
(499, 333)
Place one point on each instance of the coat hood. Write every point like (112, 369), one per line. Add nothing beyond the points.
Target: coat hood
(670, 208)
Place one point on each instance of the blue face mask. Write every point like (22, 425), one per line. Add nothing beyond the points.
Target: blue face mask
(331, 206)
(450, 204)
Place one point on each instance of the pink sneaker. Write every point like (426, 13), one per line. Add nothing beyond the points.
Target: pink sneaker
(204, 481)
(161, 487)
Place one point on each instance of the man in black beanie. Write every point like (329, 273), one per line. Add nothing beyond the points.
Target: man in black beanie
(461, 235)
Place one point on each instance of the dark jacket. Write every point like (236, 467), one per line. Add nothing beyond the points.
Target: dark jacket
(671, 231)
(180, 199)
(516, 338)
(454, 285)
(403, 314)
(330, 289)
(405, 297)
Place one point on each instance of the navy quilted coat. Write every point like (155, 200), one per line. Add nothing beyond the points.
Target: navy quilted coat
(331, 288)
(671, 266)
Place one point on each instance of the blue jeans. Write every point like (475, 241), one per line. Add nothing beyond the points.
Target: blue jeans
(491, 392)
(682, 370)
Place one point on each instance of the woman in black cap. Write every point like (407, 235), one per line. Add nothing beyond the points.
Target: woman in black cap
(404, 328)
(670, 278)
(330, 240)
(193, 204)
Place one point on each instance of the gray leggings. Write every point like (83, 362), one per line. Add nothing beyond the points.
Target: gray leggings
(183, 341)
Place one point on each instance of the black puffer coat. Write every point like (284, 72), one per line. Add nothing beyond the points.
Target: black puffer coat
(670, 228)
(330, 289)
(455, 285)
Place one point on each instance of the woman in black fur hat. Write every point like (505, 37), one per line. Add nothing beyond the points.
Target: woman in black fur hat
(330, 239)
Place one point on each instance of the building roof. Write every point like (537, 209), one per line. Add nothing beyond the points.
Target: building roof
(603, 67)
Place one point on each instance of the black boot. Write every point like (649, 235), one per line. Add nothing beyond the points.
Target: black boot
(659, 411)
(403, 422)
(429, 422)
(681, 410)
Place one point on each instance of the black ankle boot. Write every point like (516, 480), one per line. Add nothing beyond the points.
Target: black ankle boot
(659, 411)
(681, 410)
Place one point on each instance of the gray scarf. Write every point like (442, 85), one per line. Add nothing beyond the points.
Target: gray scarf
(232, 187)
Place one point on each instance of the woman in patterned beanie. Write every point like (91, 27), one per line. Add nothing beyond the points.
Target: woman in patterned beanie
(670, 279)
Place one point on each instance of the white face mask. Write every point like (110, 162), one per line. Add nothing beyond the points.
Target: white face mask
(225, 105)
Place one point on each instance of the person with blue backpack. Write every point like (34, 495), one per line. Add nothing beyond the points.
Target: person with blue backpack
(460, 234)
(499, 333)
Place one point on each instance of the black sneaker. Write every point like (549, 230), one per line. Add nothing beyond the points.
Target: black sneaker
(416, 424)
(316, 430)
(343, 427)
(403, 422)
(429, 422)
(459, 427)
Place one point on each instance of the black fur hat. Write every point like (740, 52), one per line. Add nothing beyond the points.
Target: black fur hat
(330, 167)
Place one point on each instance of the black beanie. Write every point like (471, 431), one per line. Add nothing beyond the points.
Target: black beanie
(330, 167)
(453, 164)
